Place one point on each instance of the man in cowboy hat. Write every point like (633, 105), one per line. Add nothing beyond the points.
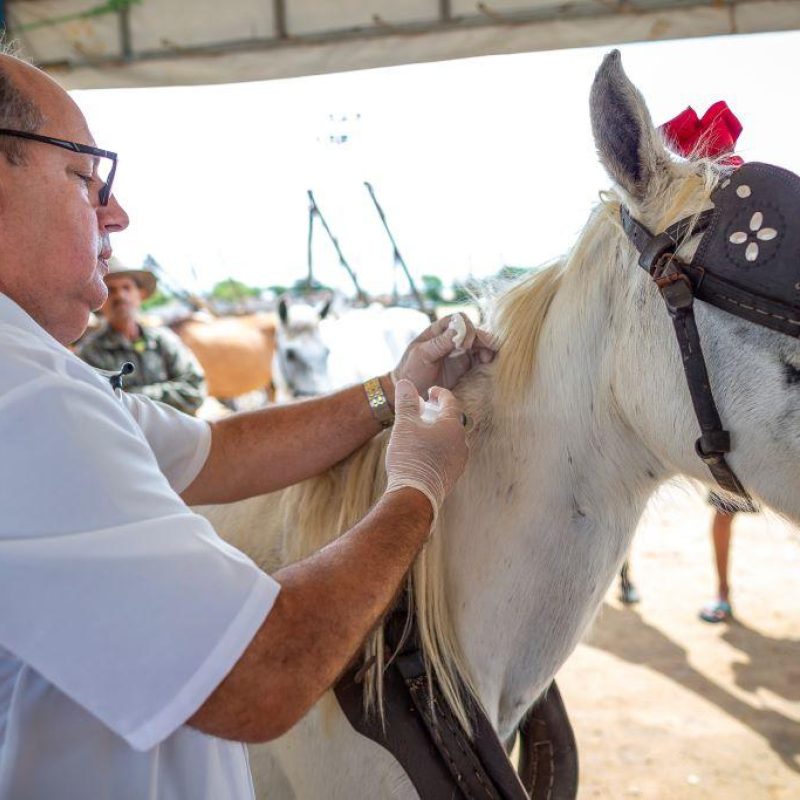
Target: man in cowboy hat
(165, 369)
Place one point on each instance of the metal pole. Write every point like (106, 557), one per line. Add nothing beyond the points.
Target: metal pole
(125, 33)
(279, 14)
(360, 293)
(312, 210)
(398, 259)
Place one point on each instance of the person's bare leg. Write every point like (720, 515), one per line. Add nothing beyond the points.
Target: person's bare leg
(721, 533)
(720, 609)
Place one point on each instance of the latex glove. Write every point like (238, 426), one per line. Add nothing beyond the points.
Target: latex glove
(443, 353)
(426, 455)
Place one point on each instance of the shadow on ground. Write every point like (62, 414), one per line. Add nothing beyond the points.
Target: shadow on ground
(763, 653)
(622, 632)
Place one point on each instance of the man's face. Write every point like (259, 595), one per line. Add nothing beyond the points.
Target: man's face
(54, 235)
(124, 300)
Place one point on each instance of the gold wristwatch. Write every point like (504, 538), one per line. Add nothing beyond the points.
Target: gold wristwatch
(376, 398)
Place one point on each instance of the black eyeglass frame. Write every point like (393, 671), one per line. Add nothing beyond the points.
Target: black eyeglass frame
(105, 192)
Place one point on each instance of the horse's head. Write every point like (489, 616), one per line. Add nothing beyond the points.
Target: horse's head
(743, 260)
(302, 354)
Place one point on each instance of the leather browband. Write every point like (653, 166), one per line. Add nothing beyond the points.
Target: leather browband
(707, 287)
(438, 756)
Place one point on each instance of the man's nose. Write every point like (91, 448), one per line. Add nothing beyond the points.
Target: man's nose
(113, 217)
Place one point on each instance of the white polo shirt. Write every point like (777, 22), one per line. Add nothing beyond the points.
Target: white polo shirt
(120, 609)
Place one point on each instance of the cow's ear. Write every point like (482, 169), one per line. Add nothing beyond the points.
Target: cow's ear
(283, 311)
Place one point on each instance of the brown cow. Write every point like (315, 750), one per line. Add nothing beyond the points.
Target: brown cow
(235, 352)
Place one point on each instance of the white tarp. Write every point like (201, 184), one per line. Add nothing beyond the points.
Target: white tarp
(167, 42)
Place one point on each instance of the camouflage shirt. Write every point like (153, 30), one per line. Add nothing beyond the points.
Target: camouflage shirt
(166, 369)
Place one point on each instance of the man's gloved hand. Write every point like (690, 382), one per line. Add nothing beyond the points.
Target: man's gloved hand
(443, 353)
(426, 455)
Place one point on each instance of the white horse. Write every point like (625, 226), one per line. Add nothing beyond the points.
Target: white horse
(584, 412)
(317, 352)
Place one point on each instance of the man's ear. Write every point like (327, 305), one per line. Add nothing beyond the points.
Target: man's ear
(629, 146)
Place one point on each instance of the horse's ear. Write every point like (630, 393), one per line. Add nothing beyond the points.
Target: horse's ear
(283, 311)
(325, 308)
(629, 146)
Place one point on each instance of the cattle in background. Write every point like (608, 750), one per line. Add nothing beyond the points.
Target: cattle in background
(318, 352)
(236, 353)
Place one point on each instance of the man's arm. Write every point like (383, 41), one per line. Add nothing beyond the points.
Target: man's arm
(262, 451)
(327, 606)
(332, 600)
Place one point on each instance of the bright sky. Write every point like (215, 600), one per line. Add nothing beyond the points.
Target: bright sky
(478, 163)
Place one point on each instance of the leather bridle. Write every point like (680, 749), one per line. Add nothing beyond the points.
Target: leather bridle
(747, 263)
(679, 283)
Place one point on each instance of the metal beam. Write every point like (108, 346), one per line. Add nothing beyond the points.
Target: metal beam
(485, 32)
(562, 12)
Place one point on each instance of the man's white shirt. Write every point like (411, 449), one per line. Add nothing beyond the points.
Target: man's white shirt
(120, 609)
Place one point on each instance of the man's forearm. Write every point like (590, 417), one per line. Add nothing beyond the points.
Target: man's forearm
(328, 604)
(262, 451)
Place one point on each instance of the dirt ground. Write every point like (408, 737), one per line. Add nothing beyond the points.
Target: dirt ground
(667, 707)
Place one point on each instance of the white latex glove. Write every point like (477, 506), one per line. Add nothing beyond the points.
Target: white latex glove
(428, 454)
(443, 353)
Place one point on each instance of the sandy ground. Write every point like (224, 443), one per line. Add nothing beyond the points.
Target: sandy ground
(665, 706)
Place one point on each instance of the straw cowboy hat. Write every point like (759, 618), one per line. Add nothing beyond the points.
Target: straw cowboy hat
(144, 279)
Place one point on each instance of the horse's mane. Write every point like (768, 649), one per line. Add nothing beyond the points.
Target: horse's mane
(319, 510)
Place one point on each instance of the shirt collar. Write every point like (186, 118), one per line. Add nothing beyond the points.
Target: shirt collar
(14, 315)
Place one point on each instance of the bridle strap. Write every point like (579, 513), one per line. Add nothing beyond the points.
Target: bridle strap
(678, 283)
(439, 757)
(715, 441)
(642, 239)
(548, 753)
(731, 298)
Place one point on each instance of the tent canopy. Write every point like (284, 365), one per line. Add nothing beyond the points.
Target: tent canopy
(125, 43)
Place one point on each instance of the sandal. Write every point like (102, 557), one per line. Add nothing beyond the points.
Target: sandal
(718, 611)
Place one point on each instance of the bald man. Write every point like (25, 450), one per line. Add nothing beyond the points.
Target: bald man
(137, 650)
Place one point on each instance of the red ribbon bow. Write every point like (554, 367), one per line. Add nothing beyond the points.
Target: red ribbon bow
(713, 135)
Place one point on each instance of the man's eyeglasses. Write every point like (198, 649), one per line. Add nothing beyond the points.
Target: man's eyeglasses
(105, 167)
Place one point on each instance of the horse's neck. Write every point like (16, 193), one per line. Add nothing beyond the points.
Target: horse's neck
(550, 504)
